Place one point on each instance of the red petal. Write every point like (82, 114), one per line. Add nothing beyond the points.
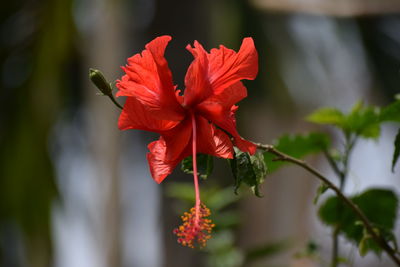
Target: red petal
(225, 119)
(134, 115)
(228, 97)
(212, 141)
(197, 77)
(227, 67)
(149, 79)
(177, 139)
(215, 77)
(160, 168)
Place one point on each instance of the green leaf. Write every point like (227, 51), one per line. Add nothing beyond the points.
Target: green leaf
(368, 244)
(297, 146)
(330, 116)
(362, 247)
(222, 251)
(372, 131)
(260, 171)
(389, 236)
(378, 205)
(250, 170)
(396, 152)
(265, 250)
(391, 112)
(226, 219)
(311, 251)
(363, 121)
(205, 165)
(182, 191)
(221, 199)
(215, 197)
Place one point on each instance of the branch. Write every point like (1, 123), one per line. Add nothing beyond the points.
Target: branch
(368, 226)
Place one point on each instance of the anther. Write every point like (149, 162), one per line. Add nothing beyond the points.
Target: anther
(195, 229)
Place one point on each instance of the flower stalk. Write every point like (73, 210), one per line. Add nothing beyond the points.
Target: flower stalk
(195, 174)
(196, 226)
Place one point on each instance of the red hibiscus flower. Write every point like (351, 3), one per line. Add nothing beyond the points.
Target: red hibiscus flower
(198, 121)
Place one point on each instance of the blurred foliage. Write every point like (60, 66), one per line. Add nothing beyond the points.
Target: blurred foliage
(361, 121)
(396, 152)
(265, 250)
(391, 112)
(378, 205)
(36, 56)
(216, 199)
(298, 146)
(222, 249)
(310, 251)
(205, 165)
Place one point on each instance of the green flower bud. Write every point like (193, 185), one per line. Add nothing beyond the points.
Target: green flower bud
(100, 82)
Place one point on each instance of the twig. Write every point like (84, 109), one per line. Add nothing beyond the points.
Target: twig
(342, 175)
(115, 101)
(368, 226)
(333, 164)
(335, 234)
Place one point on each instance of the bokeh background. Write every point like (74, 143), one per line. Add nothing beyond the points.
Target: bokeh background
(75, 191)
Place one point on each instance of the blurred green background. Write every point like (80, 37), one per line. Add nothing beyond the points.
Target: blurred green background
(74, 191)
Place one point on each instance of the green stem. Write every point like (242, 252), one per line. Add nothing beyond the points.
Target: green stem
(342, 175)
(114, 101)
(335, 247)
(349, 145)
(332, 163)
(367, 224)
(335, 233)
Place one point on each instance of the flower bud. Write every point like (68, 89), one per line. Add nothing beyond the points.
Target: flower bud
(100, 82)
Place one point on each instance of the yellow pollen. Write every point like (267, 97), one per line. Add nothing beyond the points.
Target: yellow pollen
(195, 229)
